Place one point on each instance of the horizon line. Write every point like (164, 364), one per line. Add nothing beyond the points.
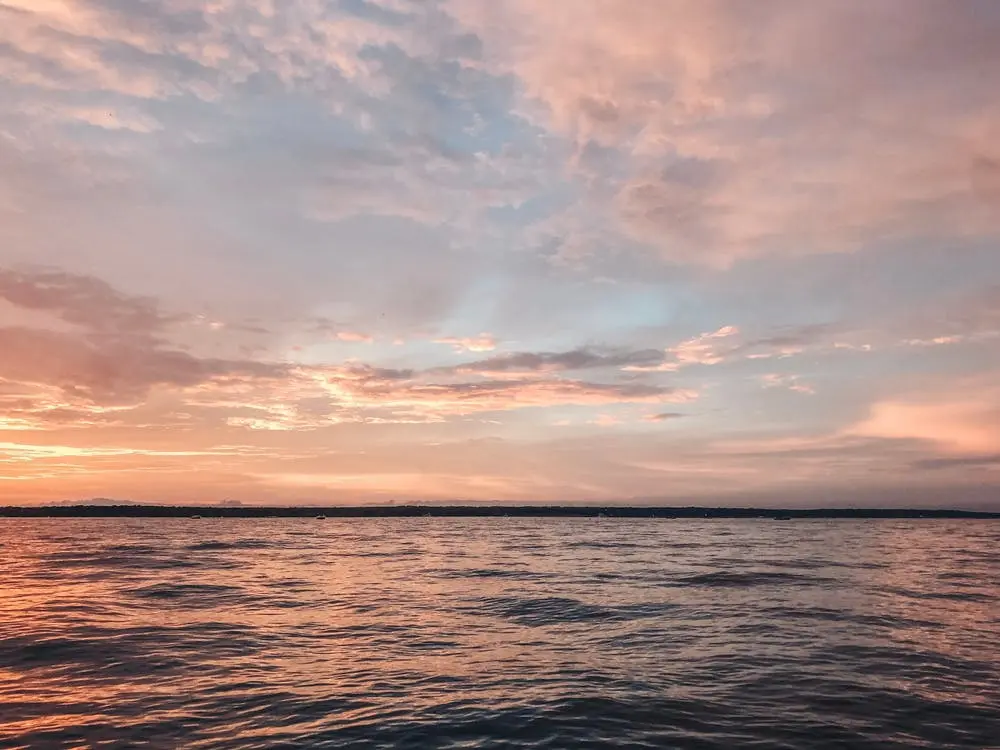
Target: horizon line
(152, 510)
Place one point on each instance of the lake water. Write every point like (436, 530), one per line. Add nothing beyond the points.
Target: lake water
(499, 633)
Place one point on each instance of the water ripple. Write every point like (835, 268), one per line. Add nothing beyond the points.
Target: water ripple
(529, 635)
(742, 580)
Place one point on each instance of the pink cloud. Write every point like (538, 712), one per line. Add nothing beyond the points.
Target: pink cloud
(354, 337)
(522, 364)
(606, 420)
(957, 421)
(791, 382)
(663, 416)
(733, 135)
(84, 301)
(484, 342)
(704, 349)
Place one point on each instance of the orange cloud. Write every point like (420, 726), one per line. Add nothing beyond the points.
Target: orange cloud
(353, 337)
(484, 342)
(952, 422)
(118, 368)
(501, 395)
(791, 382)
(606, 420)
(703, 349)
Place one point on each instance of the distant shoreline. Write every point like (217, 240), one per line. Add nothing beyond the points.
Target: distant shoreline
(473, 511)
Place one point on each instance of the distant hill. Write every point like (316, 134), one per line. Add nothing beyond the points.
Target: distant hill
(104, 508)
(95, 502)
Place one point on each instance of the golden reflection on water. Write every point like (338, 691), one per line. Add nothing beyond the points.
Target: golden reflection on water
(414, 613)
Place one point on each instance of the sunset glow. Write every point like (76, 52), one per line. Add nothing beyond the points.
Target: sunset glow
(511, 250)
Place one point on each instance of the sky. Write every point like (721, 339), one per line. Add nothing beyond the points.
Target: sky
(352, 251)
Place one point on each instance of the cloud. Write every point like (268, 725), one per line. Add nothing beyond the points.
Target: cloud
(969, 315)
(963, 420)
(484, 342)
(788, 342)
(499, 395)
(110, 373)
(791, 382)
(663, 416)
(314, 397)
(520, 363)
(118, 356)
(229, 195)
(115, 350)
(354, 337)
(33, 407)
(703, 349)
(732, 135)
(970, 319)
(83, 301)
(962, 462)
(709, 348)
(382, 96)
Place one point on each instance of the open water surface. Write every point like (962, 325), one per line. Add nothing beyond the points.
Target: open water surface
(499, 633)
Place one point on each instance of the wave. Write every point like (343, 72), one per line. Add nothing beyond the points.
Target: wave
(215, 544)
(841, 616)
(135, 557)
(955, 596)
(604, 545)
(557, 610)
(512, 573)
(199, 595)
(744, 580)
(356, 635)
(115, 652)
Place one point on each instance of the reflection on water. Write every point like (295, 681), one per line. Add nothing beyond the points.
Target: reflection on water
(484, 633)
